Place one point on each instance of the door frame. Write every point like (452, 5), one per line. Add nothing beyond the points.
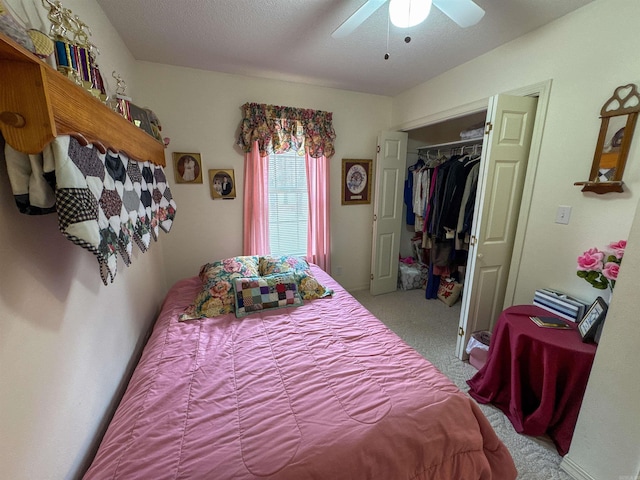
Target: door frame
(542, 90)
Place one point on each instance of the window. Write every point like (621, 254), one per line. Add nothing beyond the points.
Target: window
(288, 204)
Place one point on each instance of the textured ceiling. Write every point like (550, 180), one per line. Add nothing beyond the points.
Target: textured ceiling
(291, 39)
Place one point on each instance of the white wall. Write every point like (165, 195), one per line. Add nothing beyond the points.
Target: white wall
(66, 340)
(200, 112)
(606, 441)
(586, 54)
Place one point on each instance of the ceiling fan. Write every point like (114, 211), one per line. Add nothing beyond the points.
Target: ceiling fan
(407, 13)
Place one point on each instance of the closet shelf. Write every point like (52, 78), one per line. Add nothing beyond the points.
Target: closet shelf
(38, 103)
(450, 145)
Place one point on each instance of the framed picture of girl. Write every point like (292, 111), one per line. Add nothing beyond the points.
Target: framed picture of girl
(187, 167)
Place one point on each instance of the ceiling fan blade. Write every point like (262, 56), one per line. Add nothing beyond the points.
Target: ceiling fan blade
(358, 17)
(464, 12)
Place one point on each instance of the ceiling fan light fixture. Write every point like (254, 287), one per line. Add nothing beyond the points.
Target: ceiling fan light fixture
(408, 13)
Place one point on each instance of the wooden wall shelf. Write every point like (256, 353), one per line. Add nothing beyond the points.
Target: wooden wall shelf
(38, 103)
(601, 187)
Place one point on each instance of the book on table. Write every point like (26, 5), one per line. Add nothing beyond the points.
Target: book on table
(549, 322)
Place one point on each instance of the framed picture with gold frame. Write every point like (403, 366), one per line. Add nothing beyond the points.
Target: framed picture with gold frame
(187, 167)
(356, 181)
(222, 183)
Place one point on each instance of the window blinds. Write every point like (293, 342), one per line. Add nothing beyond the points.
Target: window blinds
(288, 204)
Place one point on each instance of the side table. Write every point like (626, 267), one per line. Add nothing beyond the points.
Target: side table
(535, 375)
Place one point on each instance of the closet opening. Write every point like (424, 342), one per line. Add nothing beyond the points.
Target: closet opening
(468, 235)
(439, 204)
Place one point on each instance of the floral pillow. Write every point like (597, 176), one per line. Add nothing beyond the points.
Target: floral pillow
(216, 297)
(308, 286)
(262, 293)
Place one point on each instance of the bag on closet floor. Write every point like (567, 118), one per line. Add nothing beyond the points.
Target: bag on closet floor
(449, 291)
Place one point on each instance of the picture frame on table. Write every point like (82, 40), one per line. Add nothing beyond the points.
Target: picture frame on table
(222, 183)
(356, 181)
(592, 319)
(187, 167)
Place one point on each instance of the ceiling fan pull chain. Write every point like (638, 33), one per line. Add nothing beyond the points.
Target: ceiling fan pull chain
(386, 55)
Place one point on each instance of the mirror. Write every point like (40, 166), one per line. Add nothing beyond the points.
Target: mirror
(619, 115)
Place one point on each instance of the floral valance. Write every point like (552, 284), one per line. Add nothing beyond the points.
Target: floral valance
(280, 129)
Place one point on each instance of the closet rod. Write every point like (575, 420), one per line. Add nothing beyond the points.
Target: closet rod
(459, 143)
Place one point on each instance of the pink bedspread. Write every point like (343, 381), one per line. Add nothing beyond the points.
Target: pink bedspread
(322, 391)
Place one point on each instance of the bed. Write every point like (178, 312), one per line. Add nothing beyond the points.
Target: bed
(320, 391)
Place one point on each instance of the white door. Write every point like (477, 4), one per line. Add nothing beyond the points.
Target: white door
(503, 166)
(391, 164)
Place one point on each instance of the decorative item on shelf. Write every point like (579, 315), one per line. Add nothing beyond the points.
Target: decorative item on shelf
(97, 83)
(12, 28)
(42, 45)
(222, 184)
(81, 35)
(619, 115)
(187, 167)
(64, 50)
(140, 118)
(120, 104)
(600, 268)
(156, 126)
(356, 181)
(75, 54)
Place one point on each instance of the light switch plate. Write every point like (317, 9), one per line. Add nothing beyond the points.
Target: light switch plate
(563, 214)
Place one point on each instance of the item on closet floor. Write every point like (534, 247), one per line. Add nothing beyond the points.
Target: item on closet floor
(449, 291)
(412, 276)
(560, 304)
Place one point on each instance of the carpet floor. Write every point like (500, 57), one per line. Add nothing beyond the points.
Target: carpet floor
(431, 328)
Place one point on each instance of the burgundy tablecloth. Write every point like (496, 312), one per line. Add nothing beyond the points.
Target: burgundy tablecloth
(536, 376)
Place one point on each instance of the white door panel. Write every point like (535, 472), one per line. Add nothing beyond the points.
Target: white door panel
(502, 175)
(390, 170)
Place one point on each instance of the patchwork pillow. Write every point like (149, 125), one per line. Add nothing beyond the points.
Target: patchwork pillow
(216, 297)
(256, 294)
(308, 286)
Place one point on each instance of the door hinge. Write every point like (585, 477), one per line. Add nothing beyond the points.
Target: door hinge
(473, 240)
(378, 149)
(375, 218)
(460, 332)
(372, 276)
(489, 128)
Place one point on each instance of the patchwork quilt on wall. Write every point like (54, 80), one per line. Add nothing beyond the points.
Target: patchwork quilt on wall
(105, 202)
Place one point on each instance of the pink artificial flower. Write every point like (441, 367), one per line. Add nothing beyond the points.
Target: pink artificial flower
(610, 270)
(618, 248)
(591, 260)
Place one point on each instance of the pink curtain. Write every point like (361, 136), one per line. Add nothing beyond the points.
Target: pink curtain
(256, 203)
(318, 233)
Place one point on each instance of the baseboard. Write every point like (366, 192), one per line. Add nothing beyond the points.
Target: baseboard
(574, 470)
